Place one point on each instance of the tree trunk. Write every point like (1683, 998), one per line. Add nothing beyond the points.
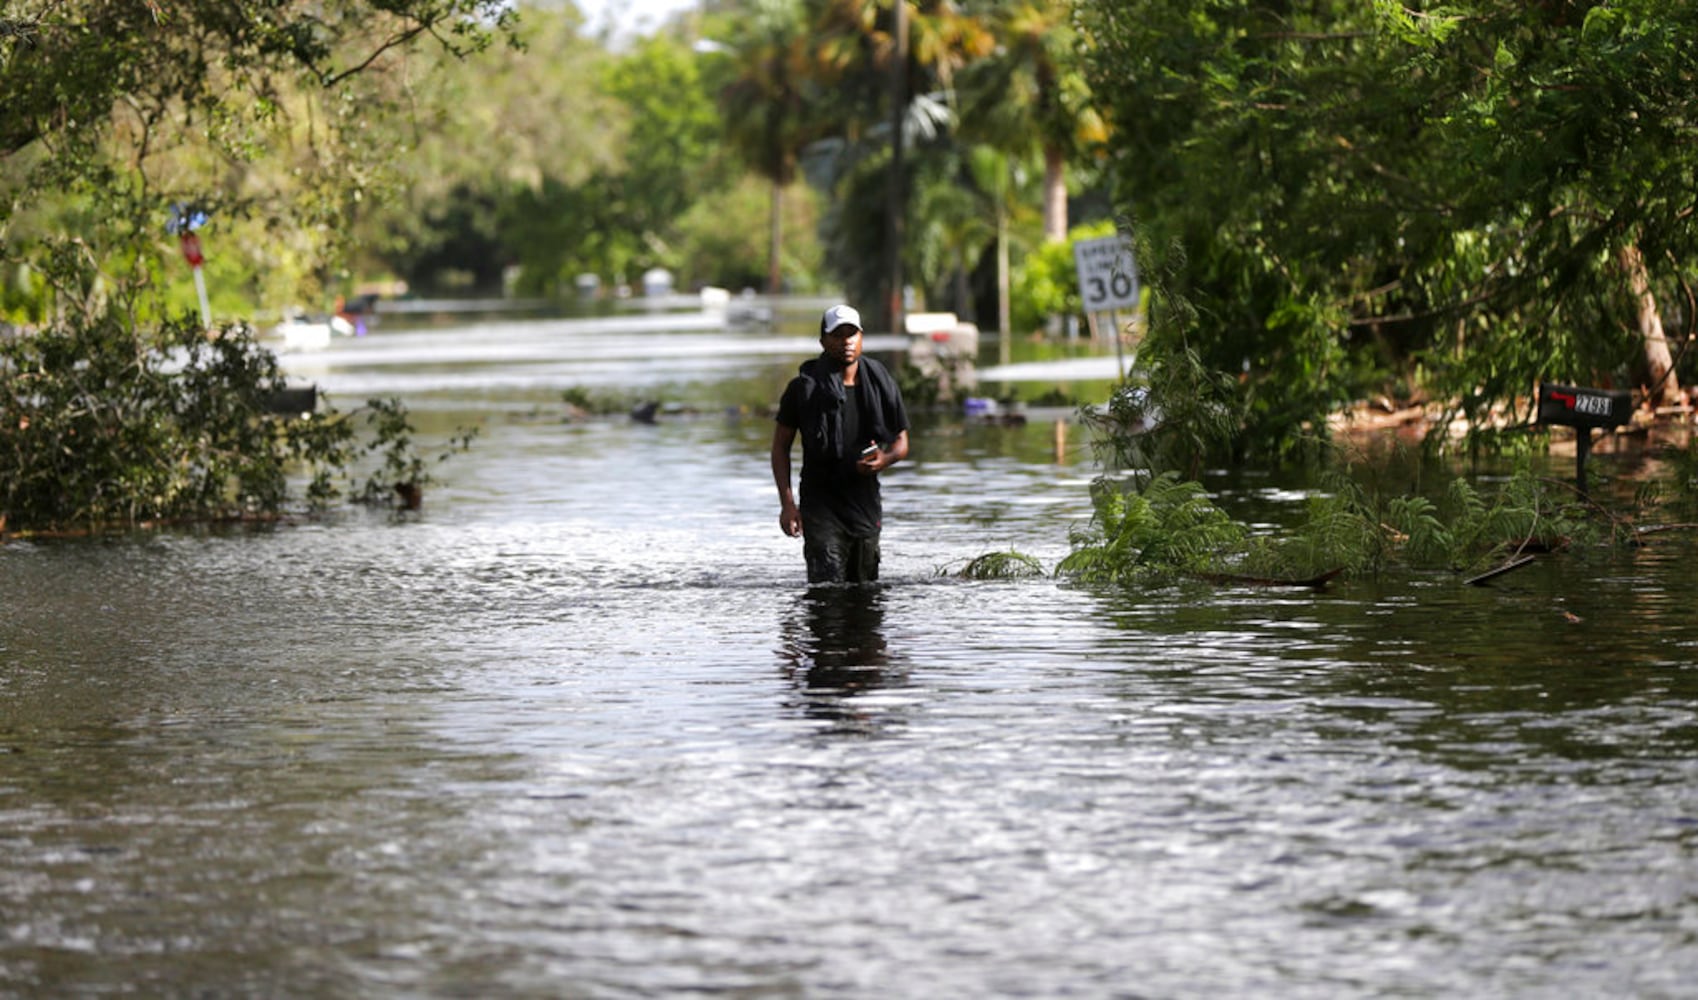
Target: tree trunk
(897, 202)
(1664, 386)
(1055, 195)
(963, 293)
(775, 244)
(1004, 318)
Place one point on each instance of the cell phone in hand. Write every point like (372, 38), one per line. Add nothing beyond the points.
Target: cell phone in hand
(871, 449)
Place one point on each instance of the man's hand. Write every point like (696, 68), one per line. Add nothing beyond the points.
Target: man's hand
(789, 519)
(871, 461)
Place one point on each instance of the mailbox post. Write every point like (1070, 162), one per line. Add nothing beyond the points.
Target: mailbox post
(1583, 410)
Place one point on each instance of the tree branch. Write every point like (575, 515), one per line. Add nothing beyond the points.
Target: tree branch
(393, 41)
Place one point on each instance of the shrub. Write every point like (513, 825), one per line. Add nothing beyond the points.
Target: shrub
(103, 426)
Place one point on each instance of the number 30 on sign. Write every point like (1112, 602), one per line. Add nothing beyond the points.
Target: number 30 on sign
(1108, 277)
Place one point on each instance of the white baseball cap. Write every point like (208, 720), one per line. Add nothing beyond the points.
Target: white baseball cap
(838, 316)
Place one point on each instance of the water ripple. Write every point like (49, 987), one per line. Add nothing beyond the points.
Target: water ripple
(579, 727)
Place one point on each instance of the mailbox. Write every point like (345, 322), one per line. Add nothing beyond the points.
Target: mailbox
(1584, 410)
(1571, 406)
(291, 402)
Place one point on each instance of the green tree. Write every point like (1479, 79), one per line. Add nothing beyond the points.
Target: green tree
(724, 238)
(1329, 192)
(474, 146)
(893, 81)
(117, 407)
(959, 210)
(672, 153)
(622, 216)
(1032, 91)
(115, 108)
(64, 64)
(767, 106)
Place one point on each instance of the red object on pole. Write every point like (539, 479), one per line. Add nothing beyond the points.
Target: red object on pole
(191, 250)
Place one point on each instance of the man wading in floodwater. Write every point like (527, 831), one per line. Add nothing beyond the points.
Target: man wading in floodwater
(853, 425)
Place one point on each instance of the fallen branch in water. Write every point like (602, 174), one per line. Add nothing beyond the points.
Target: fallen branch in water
(1513, 564)
(1652, 529)
(1312, 583)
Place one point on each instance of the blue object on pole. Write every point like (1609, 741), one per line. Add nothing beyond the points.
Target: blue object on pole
(183, 218)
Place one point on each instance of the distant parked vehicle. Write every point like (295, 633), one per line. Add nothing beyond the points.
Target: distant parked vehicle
(302, 332)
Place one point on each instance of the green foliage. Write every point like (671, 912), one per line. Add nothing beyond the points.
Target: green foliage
(1178, 418)
(1171, 528)
(671, 153)
(1045, 284)
(115, 409)
(259, 114)
(769, 102)
(1526, 513)
(1167, 529)
(586, 161)
(724, 238)
(853, 228)
(1683, 463)
(949, 210)
(64, 65)
(107, 422)
(1002, 566)
(1168, 526)
(769, 107)
(457, 244)
(93, 431)
(1339, 532)
(952, 221)
(401, 473)
(328, 147)
(1427, 541)
(471, 145)
(591, 402)
(1466, 529)
(101, 428)
(1336, 194)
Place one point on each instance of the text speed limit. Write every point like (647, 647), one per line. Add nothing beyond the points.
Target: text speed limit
(1108, 277)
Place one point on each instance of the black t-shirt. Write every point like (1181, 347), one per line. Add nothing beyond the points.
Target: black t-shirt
(830, 481)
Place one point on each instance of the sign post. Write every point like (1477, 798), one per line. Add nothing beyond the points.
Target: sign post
(192, 253)
(183, 220)
(1108, 282)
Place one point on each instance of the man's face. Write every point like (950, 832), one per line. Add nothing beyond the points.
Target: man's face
(843, 345)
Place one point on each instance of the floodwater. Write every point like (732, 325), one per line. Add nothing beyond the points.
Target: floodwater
(578, 728)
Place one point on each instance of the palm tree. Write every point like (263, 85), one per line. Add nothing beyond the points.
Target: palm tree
(767, 104)
(907, 52)
(961, 206)
(1033, 90)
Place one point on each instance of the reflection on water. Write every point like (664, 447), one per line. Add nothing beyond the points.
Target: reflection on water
(834, 650)
(580, 728)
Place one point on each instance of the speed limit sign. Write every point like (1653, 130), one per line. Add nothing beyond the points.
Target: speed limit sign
(1108, 277)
